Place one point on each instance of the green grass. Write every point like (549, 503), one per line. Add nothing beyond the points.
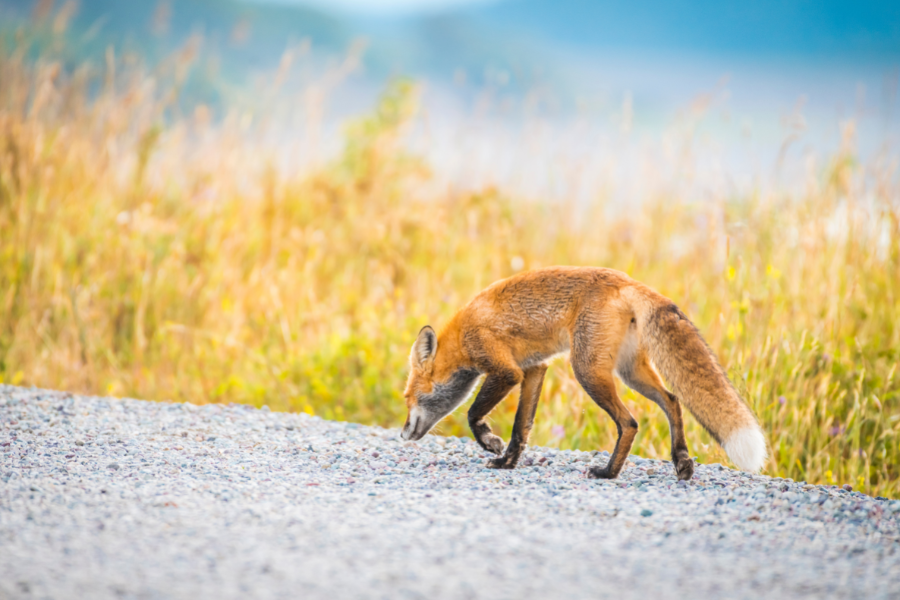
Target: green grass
(150, 255)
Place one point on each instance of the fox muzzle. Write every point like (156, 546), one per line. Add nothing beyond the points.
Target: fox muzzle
(416, 425)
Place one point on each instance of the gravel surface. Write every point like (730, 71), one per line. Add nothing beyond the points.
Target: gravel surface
(108, 498)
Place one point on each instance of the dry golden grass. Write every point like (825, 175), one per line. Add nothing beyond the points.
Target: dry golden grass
(148, 255)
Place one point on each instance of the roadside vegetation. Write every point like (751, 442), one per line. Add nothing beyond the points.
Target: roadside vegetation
(158, 252)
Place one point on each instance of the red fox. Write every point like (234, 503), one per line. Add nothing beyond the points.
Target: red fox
(609, 323)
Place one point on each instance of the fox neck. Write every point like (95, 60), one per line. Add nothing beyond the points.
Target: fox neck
(446, 396)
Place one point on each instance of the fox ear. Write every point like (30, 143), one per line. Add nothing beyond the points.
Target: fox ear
(424, 348)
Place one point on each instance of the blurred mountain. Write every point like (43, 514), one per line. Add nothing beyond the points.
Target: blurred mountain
(518, 43)
(245, 35)
(833, 29)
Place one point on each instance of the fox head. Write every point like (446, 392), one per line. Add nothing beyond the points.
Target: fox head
(432, 393)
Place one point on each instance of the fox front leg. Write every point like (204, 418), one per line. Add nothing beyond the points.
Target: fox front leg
(528, 401)
(493, 390)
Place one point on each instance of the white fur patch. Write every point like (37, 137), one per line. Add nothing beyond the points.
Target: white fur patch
(412, 422)
(747, 449)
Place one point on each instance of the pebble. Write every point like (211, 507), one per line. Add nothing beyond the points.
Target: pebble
(182, 501)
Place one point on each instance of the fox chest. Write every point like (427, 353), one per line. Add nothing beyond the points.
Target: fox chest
(539, 351)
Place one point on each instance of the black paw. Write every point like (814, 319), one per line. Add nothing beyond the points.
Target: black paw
(599, 473)
(492, 443)
(684, 468)
(503, 462)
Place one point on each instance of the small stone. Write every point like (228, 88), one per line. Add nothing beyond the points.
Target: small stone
(113, 466)
(646, 513)
(847, 487)
(79, 443)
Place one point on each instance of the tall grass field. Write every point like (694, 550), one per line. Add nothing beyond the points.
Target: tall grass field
(158, 251)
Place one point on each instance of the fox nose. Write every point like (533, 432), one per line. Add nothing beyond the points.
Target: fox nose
(409, 428)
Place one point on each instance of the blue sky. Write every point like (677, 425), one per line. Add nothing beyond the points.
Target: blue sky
(380, 6)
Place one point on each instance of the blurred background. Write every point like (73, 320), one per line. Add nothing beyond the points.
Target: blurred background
(262, 202)
(535, 95)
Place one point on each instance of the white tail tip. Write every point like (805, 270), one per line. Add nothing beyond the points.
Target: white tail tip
(747, 449)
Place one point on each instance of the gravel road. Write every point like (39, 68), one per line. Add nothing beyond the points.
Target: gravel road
(109, 498)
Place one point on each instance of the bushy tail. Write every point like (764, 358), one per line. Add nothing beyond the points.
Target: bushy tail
(690, 367)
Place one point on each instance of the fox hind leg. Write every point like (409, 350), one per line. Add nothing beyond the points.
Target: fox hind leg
(596, 341)
(601, 387)
(528, 401)
(639, 375)
(602, 390)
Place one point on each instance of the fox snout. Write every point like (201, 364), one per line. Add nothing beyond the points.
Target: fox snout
(415, 427)
(404, 433)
